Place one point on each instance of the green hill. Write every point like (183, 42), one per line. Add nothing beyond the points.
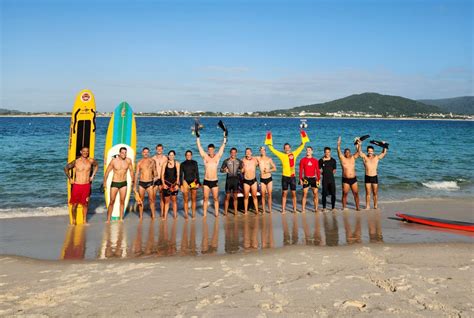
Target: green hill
(458, 105)
(370, 103)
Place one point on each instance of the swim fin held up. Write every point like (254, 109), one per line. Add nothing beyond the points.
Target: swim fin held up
(196, 128)
(223, 127)
(269, 139)
(361, 138)
(379, 143)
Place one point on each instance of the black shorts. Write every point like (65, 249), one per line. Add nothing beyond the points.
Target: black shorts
(168, 193)
(118, 185)
(288, 182)
(349, 181)
(373, 179)
(250, 182)
(266, 180)
(310, 182)
(157, 183)
(232, 184)
(210, 184)
(145, 184)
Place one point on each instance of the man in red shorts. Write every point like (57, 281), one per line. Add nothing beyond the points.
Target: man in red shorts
(81, 183)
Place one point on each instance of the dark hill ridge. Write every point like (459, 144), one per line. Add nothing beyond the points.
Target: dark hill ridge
(458, 105)
(370, 103)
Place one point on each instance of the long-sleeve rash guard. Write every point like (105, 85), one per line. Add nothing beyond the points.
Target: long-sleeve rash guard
(288, 160)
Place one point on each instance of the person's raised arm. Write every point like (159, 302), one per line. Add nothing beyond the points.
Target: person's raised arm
(298, 150)
(67, 168)
(359, 151)
(201, 151)
(339, 152)
(222, 147)
(383, 153)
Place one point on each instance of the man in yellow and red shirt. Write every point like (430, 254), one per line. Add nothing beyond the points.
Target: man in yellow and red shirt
(288, 162)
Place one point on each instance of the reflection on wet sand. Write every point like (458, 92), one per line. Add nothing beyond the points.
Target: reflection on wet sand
(331, 229)
(239, 233)
(375, 226)
(74, 246)
(114, 241)
(353, 235)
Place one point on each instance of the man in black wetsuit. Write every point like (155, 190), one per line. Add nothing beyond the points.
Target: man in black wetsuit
(328, 165)
(189, 182)
(232, 166)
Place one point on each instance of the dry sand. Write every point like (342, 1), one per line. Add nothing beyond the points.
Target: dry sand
(434, 280)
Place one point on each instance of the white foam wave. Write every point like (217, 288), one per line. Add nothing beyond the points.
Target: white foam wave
(38, 212)
(442, 185)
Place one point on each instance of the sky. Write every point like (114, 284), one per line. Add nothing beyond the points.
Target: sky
(231, 55)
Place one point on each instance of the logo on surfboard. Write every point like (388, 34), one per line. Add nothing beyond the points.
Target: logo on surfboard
(85, 97)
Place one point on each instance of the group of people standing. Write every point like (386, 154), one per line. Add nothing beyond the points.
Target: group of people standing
(163, 175)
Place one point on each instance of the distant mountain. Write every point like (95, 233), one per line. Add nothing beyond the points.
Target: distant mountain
(458, 105)
(4, 111)
(370, 103)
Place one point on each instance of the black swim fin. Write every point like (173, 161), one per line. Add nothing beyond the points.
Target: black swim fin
(223, 127)
(379, 143)
(196, 128)
(361, 138)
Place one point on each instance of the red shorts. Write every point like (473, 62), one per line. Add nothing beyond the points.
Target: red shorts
(80, 194)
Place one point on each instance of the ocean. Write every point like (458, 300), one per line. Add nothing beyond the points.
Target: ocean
(425, 159)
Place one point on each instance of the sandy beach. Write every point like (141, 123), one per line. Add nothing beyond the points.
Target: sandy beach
(432, 280)
(354, 264)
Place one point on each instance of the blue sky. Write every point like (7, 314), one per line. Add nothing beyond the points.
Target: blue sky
(231, 55)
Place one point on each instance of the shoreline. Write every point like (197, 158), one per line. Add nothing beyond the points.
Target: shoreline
(259, 117)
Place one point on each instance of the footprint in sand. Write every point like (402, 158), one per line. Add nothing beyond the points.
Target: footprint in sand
(218, 299)
(354, 303)
(203, 285)
(203, 303)
(257, 288)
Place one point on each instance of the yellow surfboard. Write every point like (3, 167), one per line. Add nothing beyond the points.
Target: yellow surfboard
(81, 134)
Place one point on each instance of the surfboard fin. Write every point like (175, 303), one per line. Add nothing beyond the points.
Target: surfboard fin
(223, 127)
(379, 143)
(196, 128)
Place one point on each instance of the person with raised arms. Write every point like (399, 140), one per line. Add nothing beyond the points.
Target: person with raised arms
(288, 162)
(232, 166)
(349, 178)
(211, 180)
(144, 179)
(310, 176)
(119, 165)
(81, 182)
(189, 182)
(371, 162)
(249, 170)
(266, 166)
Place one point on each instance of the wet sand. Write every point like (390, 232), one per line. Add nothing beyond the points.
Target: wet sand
(51, 238)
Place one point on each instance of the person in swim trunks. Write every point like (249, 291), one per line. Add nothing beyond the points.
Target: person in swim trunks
(371, 162)
(328, 165)
(81, 182)
(210, 183)
(349, 179)
(120, 165)
(232, 166)
(310, 176)
(288, 162)
(266, 166)
(160, 161)
(189, 182)
(249, 169)
(144, 179)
